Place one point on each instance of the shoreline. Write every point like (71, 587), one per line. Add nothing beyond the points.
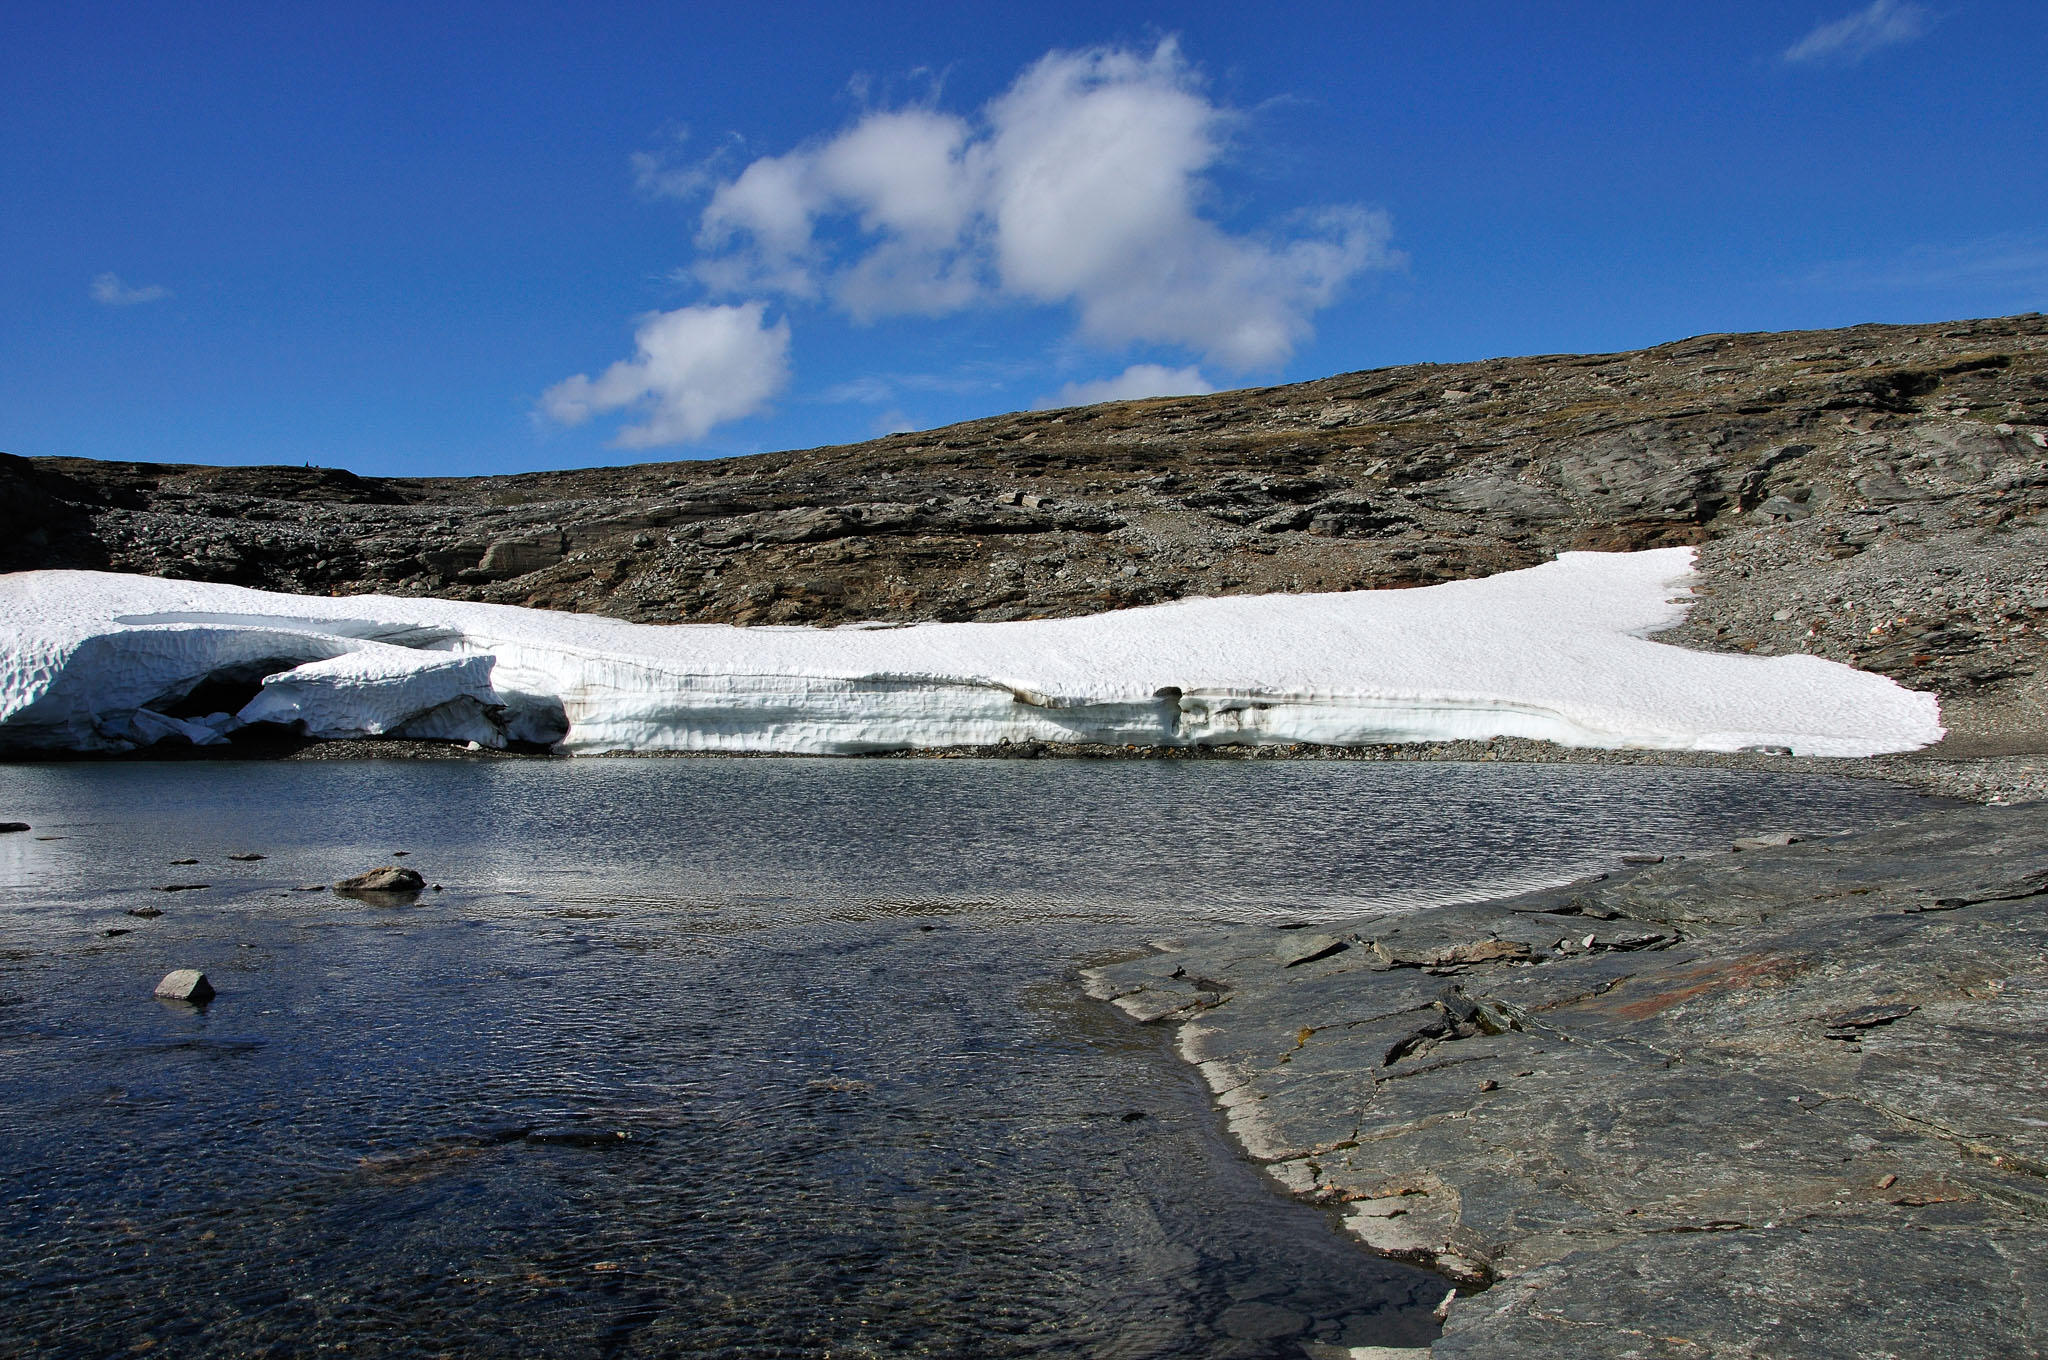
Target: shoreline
(1780, 1099)
(1991, 769)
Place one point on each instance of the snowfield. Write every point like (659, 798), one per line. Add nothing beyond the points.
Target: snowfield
(93, 661)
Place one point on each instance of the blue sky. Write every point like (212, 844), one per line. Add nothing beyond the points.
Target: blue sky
(495, 238)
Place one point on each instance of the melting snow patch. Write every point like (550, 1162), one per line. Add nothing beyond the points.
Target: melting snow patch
(1560, 652)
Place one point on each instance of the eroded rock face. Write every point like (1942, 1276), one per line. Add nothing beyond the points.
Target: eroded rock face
(1787, 1101)
(1872, 495)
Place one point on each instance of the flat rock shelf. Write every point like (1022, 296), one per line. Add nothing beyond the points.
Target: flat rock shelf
(1783, 1101)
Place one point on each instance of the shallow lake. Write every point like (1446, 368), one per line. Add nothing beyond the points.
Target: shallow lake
(706, 1057)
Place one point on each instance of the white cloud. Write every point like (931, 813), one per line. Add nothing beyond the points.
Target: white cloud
(1133, 384)
(1082, 186)
(696, 367)
(108, 290)
(1881, 24)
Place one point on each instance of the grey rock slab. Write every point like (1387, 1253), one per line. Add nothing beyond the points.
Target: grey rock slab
(1794, 1292)
(1776, 1074)
(1302, 947)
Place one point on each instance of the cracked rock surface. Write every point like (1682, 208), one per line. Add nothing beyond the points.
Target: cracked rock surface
(1784, 1101)
(1872, 495)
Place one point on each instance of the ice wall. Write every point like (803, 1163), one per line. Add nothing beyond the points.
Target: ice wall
(97, 661)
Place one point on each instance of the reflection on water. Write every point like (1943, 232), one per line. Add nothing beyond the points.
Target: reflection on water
(702, 1057)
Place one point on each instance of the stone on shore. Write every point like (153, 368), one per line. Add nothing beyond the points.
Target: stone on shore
(185, 984)
(388, 878)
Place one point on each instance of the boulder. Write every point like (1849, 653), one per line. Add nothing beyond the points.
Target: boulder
(185, 984)
(388, 878)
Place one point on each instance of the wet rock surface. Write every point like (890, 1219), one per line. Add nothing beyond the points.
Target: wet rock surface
(1787, 1101)
(1872, 495)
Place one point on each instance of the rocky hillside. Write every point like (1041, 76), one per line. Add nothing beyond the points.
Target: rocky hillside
(1872, 495)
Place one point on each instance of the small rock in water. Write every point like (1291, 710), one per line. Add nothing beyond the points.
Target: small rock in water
(117, 930)
(146, 913)
(400, 854)
(386, 878)
(184, 861)
(185, 984)
(575, 1136)
(13, 826)
(246, 858)
(1642, 859)
(183, 887)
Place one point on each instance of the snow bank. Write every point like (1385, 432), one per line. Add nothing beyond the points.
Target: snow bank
(96, 661)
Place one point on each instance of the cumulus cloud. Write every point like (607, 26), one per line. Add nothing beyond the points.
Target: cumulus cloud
(1133, 384)
(1083, 185)
(695, 368)
(108, 290)
(1881, 24)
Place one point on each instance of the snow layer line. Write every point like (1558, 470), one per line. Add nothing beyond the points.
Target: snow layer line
(1559, 652)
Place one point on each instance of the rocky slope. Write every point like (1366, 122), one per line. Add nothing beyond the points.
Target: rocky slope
(1873, 495)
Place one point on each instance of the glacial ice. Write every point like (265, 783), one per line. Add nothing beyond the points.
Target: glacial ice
(93, 661)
